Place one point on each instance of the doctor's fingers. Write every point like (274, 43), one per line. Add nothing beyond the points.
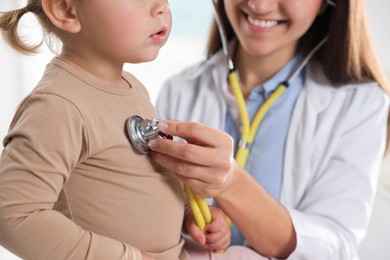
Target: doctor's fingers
(205, 181)
(216, 157)
(205, 189)
(197, 133)
(190, 170)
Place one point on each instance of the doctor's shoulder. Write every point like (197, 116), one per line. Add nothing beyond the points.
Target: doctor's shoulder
(355, 97)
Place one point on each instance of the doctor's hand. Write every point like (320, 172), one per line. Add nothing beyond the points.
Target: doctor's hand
(205, 163)
(218, 235)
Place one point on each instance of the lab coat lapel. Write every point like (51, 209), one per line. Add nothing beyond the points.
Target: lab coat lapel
(314, 98)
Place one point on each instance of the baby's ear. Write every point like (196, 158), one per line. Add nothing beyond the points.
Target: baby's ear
(62, 14)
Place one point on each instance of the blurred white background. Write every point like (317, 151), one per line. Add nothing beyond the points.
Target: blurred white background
(191, 19)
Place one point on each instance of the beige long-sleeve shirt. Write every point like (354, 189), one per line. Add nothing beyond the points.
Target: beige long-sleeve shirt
(71, 184)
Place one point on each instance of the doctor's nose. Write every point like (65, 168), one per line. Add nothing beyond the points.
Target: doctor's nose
(161, 7)
(261, 6)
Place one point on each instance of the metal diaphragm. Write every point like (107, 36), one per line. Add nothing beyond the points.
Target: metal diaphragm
(141, 131)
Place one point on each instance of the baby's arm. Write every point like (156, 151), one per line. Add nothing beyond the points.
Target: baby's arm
(39, 153)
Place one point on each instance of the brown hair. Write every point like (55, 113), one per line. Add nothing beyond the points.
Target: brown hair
(9, 22)
(347, 56)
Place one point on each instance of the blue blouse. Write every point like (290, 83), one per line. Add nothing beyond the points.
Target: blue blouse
(265, 161)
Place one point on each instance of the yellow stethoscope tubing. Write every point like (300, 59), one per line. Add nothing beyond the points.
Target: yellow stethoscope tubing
(198, 204)
(249, 129)
(200, 208)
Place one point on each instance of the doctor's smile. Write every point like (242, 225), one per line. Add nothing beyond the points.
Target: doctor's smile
(262, 23)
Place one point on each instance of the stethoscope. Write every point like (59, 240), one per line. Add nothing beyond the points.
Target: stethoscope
(141, 131)
(248, 129)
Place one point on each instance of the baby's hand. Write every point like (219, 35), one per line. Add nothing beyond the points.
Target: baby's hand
(218, 233)
(217, 237)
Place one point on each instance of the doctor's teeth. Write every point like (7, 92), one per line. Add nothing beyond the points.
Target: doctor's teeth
(261, 23)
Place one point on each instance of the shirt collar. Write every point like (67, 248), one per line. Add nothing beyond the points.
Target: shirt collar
(282, 75)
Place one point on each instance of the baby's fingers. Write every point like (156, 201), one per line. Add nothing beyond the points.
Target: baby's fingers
(195, 232)
(217, 241)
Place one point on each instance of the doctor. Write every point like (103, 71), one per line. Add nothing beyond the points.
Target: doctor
(307, 188)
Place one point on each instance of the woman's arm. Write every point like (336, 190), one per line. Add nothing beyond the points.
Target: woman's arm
(207, 165)
(331, 212)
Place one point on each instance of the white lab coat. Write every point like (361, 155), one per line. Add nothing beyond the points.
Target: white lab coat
(333, 154)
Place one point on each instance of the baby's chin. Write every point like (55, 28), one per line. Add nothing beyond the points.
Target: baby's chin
(145, 57)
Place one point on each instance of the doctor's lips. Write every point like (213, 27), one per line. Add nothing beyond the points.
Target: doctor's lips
(161, 35)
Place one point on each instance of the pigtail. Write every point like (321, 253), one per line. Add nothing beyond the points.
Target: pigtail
(9, 29)
(9, 22)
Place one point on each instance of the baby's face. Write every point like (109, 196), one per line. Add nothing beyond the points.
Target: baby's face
(130, 31)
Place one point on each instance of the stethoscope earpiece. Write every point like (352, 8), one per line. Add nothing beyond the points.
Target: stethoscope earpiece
(141, 131)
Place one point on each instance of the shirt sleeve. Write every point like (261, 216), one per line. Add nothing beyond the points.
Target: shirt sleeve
(46, 140)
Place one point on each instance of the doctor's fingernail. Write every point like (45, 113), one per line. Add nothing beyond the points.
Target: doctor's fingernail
(162, 126)
(152, 143)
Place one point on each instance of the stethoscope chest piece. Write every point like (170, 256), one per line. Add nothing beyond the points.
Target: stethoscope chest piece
(141, 131)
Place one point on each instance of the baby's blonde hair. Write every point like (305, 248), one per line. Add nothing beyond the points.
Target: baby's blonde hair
(9, 22)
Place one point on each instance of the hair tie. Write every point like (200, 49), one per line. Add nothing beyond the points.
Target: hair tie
(27, 9)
